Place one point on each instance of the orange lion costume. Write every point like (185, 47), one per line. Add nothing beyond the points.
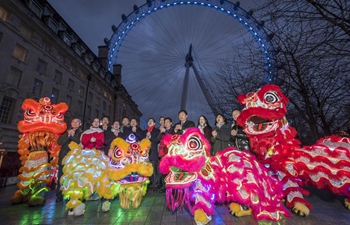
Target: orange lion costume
(42, 124)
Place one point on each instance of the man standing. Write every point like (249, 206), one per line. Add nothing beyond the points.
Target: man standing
(108, 134)
(184, 123)
(152, 134)
(72, 134)
(162, 149)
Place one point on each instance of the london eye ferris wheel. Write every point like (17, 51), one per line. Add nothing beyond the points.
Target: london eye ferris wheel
(169, 51)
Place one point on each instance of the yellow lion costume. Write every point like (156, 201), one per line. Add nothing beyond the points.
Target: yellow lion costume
(125, 172)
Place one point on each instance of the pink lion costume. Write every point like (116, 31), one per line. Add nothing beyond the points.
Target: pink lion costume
(324, 165)
(198, 181)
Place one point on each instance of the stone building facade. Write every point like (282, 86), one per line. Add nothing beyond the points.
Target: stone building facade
(40, 55)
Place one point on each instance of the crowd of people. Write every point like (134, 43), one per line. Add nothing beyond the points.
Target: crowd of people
(100, 135)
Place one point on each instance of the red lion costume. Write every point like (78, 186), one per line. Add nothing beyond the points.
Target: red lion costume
(324, 165)
(199, 181)
(43, 123)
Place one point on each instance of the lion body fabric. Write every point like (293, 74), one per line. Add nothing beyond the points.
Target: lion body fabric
(200, 181)
(124, 172)
(38, 149)
(324, 165)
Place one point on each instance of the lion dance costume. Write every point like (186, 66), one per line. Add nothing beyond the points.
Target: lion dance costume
(43, 123)
(231, 176)
(124, 173)
(324, 165)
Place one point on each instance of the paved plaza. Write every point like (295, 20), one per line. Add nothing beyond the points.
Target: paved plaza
(327, 209)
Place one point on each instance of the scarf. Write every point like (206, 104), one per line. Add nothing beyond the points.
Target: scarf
(219, 125)
(201, 127)
(149, 129)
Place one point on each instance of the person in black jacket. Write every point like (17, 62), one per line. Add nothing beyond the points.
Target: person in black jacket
(238, 138)
(152, 133)
(181, 126)
(72, 134)
(220, 135)
(162, 149)
(108, 134)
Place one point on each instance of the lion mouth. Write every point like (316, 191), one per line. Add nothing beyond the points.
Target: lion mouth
(177, 177)
(258, 125)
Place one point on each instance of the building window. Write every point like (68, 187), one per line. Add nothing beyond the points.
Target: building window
(69, 100)
(37, 87)
(97, 114)
(80, 107)
(5, 110)
(104, 105)
(1, 36)
(57, 77)
(54, 95)
(26, 32)
(90, 97)
(20, 53)
(3, 14)
(109, 109)
(14, 76)
(98, 100)
(41, 66)
(70, 84)
(45, 47)
(88, 111)
(81, 91)
(36, 9)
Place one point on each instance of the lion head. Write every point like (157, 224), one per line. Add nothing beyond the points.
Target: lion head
(264, 111)
(43, 116)
(185, 159)
(129, 162)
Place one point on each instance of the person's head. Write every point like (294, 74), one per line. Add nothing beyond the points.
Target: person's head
(116, 125)
(133, 122)
(95, 122)
(125, 121)
(151, 122)
(202, 120)
(105, 121)
(161, 121)
(235, 114)
(75, 123)
(168, 122)
(220, 118)
(182, 115)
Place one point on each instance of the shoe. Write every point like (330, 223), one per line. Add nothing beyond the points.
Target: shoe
(59, 199)
(155, 189)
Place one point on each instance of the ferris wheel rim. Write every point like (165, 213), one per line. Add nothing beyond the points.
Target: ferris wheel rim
(232, 9)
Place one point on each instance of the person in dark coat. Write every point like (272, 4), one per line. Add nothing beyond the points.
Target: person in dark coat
(108, 134)
(125, 129)
(152, 134)
(204, 126)
(221, 134)
(71, 134)
(238, 138)
(162, 149)
(181, 126)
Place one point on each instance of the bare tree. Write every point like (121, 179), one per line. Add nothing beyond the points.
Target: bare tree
(312, 45)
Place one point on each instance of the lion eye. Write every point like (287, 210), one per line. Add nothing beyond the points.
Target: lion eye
(271, 97)
(118, 153)
(30, 112)
(194, 143)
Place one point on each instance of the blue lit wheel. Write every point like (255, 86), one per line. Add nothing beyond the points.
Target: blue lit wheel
(151, 44)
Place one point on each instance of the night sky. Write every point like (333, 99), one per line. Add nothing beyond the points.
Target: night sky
(153, 76)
